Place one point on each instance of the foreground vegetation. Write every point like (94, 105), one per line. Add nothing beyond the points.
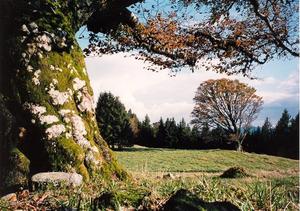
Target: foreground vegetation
(270, 183)
(150, 194)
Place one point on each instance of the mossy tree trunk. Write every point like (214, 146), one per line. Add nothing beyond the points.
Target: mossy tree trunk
(47, 114)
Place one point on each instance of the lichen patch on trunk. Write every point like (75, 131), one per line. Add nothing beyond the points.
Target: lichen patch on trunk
(55, 131)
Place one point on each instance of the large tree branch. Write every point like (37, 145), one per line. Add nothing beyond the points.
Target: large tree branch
(110, 14)
(227, 44)
(239, 44)
(119, 4)
(264, 18)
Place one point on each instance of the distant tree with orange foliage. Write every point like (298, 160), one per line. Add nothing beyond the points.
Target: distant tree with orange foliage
(228, 104)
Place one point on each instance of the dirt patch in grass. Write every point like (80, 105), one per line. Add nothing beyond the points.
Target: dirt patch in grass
(276, 173)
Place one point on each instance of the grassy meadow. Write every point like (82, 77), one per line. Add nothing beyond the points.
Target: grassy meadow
(139, 159)
(272, 184)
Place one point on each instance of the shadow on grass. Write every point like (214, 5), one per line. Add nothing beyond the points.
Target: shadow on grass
(152, 149)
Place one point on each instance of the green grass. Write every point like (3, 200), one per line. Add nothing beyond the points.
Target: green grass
(273, 182)
(205, 161)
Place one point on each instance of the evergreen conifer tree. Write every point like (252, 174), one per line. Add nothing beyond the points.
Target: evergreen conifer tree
(171, 135)
(282, 133)
(183, 135)
(113, 120)
(294, 138)
(266, 136)
(161, 134)
(146, 133)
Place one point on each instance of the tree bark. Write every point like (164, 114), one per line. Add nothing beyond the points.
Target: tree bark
(239, 147)
(47, 113)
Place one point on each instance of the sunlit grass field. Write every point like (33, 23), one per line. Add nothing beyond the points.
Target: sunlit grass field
(272, 184)
(202, 161)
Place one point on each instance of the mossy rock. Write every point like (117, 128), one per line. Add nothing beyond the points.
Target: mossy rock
(235, 172)
(186, 200)
(106, 201)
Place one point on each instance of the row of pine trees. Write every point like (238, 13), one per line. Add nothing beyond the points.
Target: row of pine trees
(281, 140)
(123, 129)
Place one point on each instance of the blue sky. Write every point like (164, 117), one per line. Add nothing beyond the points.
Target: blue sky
(159, 95)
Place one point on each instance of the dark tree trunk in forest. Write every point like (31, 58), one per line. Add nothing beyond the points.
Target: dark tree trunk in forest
(46, 107)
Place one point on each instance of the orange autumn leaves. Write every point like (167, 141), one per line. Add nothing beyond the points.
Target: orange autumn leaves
(232, 37)
(228, 104)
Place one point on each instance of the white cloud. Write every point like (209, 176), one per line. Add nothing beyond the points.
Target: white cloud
(280, 90)
(158, 94)
(291, 85)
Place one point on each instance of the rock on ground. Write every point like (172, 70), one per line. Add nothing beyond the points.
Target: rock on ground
(73, 179)
(9, 197)
(169, 176)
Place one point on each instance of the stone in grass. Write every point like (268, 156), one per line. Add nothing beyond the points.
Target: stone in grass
(185, 200)
(234, 172)
(56, 178)
(12, 197)
(169, 176)
(106, 201)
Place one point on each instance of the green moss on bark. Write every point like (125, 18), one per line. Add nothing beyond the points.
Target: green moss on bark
(49, 61)
(84, 172)
(65, 153)
(19, 169)
(113, 171)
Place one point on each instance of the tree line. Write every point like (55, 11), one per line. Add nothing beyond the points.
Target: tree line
(281, 140)
(122, 128)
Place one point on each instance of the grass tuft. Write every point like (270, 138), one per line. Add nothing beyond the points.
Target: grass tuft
(234, 172)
